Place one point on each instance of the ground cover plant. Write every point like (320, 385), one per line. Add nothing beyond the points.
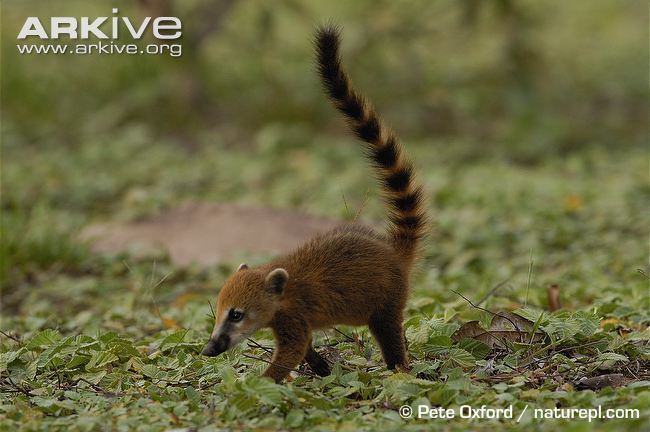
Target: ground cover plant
(90, 341)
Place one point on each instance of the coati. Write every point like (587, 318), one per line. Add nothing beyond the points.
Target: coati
(351, 275)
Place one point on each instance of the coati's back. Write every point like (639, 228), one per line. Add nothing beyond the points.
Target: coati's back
(341, 276)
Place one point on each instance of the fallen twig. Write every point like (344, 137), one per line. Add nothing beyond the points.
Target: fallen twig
(487, 310)
(11, 337)
(258, 345)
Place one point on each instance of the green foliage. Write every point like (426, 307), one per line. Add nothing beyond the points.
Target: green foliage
(85, 382)
(105, 342)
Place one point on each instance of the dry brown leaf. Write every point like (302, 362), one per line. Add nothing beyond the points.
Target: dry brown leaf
(505, 326)
(599, 382)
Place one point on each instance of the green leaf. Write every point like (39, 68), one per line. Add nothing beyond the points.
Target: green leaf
(123, 349)
(588, 323)
(476, 348)
(94, 377)
(530, 314)
(32, 368)
(43, 402)
(440, 340)
(294, 418)
(357, 361)
(173, 339)
(192, 394)
(242, 402)
(47, 355)
(99, 359)
(152, 371)
(77, 361)
(45, 338)
(461, 357)
(8, 357)
(269, 393)
(608, 359)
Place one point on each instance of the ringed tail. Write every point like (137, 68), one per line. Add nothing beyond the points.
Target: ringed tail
(403, 194)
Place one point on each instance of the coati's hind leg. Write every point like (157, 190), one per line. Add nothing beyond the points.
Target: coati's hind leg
(386, 327)
(316, 362)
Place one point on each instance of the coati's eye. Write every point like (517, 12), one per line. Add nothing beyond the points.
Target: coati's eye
(235, 316)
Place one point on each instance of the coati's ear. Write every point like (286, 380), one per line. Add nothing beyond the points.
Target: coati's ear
(276, 280)
(242, 266)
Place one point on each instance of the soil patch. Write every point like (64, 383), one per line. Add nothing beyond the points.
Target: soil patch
(207, 234)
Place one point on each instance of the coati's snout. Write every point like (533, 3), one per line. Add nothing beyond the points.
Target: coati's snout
(246, 303)
(214, 347)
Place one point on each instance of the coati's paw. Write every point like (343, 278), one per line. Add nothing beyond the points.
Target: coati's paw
(322, 370)
(403, 368)
(319, 366)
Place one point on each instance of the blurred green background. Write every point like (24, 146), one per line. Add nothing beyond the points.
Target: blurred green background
(521, 79)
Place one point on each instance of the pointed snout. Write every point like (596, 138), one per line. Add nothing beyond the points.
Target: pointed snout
(216, 346)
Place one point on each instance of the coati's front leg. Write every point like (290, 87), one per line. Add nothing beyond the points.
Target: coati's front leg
(386, 327)
(292, 341)
(316, 362)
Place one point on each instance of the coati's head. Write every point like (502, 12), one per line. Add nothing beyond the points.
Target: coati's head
(246, 303)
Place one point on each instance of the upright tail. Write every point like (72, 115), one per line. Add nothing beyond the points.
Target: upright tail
(403, 195)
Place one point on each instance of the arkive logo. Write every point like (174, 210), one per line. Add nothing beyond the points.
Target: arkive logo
(82, 28)
(100, 35)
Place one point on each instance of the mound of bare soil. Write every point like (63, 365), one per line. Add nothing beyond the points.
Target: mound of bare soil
(207, 234)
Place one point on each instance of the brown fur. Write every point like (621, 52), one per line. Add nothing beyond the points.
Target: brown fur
(350, 275)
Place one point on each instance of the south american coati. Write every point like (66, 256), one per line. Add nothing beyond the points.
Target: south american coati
(351, 275)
